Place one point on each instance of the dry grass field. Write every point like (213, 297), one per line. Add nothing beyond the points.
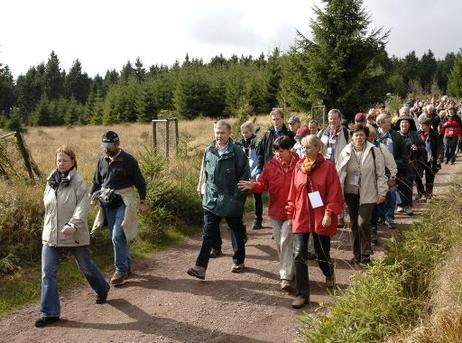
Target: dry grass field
(135, 137)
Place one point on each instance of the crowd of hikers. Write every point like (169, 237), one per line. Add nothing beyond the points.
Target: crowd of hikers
(322, 178)
(317, 178)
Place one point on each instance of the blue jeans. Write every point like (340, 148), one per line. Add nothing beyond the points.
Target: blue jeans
(49, 303)
(115, 217)
(211, 234)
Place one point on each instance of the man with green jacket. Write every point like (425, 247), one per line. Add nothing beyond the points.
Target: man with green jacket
(223, 166)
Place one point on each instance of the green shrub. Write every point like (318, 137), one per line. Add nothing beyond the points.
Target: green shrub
(21, 213)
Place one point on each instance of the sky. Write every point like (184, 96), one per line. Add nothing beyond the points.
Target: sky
(105, 34)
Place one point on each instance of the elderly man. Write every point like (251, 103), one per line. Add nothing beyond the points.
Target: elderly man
(294, 123)
(223, 166)
(335, 137)
(395, 144)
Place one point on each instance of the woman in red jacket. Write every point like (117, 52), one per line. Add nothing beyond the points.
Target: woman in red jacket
(315, 200)
(275, 178)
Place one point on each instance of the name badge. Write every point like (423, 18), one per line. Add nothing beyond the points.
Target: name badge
(355, 178)
(328, 152)
(315, 199)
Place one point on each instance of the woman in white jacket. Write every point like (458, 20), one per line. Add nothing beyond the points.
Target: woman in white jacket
(65, 227)
(362, 176)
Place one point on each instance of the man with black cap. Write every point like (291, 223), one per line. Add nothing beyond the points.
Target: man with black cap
(116, 174)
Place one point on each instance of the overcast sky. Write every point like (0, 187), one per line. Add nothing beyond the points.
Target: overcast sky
(104, 34)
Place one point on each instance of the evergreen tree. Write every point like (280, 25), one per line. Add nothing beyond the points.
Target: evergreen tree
(342, 64)
(94, 107)
(111, 78)
(427, 70)
(274, 75)
(54, 79)
(140, 72)
(77, 84)
(41, 115)
(191, 93)
(7, 91)
(29, 89)
(127, 72)
(443, 70)
(455, 78)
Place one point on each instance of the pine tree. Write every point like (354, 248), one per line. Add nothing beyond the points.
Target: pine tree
(274, 75)
(41, 114)
(342, 65)
(7, 91)
(140, 72)
(54, 80)
(427, 70)
(77, 84)
(455, 78)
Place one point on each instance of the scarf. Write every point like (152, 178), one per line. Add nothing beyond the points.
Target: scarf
(308, 165)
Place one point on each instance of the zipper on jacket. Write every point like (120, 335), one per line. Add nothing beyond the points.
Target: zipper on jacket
(57, 229)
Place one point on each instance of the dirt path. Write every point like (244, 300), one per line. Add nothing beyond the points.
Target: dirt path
(161, 303)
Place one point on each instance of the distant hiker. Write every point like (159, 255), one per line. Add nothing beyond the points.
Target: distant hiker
(223, 165)
(294, 123)
(314, 202)
(432, 161)
(116, 174)
(417, 156)
(451, 129)
(275, 179)
(248, 143)
(277, 129)
(65, 227)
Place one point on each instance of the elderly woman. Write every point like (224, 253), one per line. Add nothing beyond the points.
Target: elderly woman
(362, 176)
(416, 149)
(315, 200)
(65, 227)
(275, 179)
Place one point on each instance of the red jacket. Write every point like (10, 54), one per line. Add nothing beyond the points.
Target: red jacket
(323, 178)
(276, 181)
(451, 127)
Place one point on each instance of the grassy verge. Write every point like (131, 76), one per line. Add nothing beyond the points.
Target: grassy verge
(395, 293)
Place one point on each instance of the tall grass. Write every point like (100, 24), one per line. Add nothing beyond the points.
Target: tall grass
(394, 294)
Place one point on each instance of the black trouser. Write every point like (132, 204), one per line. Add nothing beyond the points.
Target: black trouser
(429, 174)
(258, 205)
(211, 233)
(322, 249)
(360, 217)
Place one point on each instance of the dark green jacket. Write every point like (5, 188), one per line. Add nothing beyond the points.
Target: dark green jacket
(222, 173)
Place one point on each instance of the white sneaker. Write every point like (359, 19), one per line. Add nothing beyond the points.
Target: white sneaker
(400, 209)
(237, 268)
(286, 285)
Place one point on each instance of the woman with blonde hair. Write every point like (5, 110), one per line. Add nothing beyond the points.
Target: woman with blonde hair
(315, 200)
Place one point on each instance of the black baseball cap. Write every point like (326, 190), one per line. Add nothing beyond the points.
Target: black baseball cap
(109, 139)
